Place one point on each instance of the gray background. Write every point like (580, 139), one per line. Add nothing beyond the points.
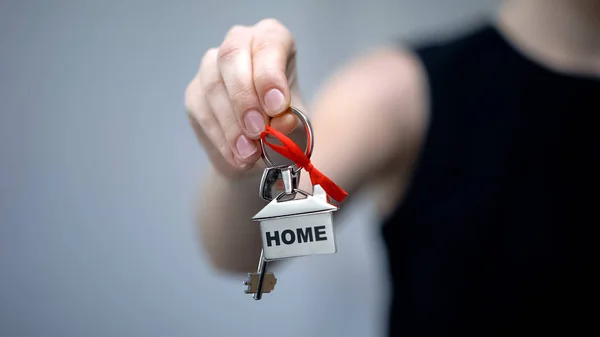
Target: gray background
(99, 169)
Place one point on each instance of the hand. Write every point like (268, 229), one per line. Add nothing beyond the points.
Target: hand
(246, 83)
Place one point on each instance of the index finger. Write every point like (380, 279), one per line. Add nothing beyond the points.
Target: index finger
(272, 47)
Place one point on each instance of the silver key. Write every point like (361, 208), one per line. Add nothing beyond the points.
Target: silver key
(260, 282)
(294, 223)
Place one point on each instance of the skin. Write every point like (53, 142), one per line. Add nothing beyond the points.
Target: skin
(378, 103)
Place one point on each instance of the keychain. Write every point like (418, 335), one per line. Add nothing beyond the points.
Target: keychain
(294, 223)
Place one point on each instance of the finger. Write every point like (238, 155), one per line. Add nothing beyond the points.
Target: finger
(205, 126)
(214, 143)
(244, 149)
(235, 64)
(285, 123)
(272, 46)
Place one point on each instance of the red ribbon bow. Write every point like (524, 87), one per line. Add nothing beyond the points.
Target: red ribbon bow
(290, 150)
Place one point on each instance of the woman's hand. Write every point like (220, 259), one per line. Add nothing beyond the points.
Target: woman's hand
(241, 86)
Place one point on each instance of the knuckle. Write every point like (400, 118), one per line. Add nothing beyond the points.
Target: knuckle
(242, 94)
(236, 31)
(208, 76)
(210, 81)
(269, 76)
(273, 26)
(209, 57)
(228, 51)
(261, 45)
(270, 23)
(193, 104)
(202, 117)
(212, 85)
(235, 43)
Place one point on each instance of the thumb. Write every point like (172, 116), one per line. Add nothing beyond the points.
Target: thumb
(285, 123)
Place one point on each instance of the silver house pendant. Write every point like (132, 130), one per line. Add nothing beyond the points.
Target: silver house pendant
(298, 227)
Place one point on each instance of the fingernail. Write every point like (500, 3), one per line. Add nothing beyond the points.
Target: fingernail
(245, 147)
(255, 122)
(274, 101)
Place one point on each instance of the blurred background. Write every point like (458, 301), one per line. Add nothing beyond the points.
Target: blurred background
(99, 169)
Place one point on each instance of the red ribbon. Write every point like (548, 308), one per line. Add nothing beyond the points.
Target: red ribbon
(290, 150)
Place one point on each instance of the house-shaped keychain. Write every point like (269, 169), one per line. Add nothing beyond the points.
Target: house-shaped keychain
(298, 227)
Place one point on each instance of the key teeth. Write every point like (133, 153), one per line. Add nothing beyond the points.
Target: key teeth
(251, 282)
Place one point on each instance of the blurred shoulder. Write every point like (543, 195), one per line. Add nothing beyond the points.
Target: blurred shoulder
(396, 79)
(386, 89)
(415, 72)
(387, 83)
(389, 74)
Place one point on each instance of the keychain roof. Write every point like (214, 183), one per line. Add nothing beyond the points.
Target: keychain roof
(316, 203)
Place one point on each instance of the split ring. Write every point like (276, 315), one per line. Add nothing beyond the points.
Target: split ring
(309, 139)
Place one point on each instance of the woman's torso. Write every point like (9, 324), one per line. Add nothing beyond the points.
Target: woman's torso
(493, 236)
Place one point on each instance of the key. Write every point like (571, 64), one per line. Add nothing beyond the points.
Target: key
(261, 281)
(294, 223)
(291, 228)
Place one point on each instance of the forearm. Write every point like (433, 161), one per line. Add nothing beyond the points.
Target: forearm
(230, 240)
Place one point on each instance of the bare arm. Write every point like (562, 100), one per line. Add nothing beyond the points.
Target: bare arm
(368, 122)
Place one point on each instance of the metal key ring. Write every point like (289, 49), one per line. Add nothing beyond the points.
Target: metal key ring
(309, 139)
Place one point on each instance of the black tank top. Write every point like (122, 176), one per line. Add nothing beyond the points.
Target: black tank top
(494, 235)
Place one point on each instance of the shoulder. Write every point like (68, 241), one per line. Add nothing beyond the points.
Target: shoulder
(396, 80)
(400, 81)
(396, 68)
(376, 107)
(391, 75)
(387, 84)
(370, 120)
(365, 114)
